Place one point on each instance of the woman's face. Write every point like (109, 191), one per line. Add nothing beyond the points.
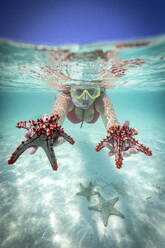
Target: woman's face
(85, 101)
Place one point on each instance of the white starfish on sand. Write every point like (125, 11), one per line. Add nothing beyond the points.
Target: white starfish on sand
(106, 208)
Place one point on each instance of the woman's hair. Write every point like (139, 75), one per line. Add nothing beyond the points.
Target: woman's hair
(58, 86)
(67, 88)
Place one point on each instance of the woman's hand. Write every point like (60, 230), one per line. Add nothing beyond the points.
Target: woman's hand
(127, 148)
(121, 143)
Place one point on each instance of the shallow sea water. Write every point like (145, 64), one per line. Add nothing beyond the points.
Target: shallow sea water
(39, 207)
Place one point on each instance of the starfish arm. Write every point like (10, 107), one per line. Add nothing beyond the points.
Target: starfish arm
(102, 143)
(88, 197)
(91, 188)
(85, 194)
(48, 148)
(94, 192)
(113, 201)
(118, 155)
(20, 149)
(101, 198)
(95, 208)
(141, 148)
(80, 193)
(105, 216)
(67, 137)
(91, 184)
(81, 186)
(116, 212)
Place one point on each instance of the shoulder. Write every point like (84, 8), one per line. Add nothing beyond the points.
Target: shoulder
(66, 94)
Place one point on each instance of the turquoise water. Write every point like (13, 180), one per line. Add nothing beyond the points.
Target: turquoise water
(39, 207)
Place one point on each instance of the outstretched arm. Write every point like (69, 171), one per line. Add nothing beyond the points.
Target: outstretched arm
(119, 139)
(105, 108)
(61, 106)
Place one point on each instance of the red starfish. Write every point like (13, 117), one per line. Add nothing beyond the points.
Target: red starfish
(120, 140)
(44, 133)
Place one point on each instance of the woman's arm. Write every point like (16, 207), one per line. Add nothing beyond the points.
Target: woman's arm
(105, 108)
(62, 106)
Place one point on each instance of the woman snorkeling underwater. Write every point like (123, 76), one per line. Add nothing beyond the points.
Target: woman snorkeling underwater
(85, 103)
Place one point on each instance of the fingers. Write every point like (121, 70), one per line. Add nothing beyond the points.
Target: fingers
(130, 151)
(45, 117)
(125, 124)
(133, 150)
(27, 134)
(110, 154)
(126, 153)
(108, 145)
(32, 150)
(59, 141)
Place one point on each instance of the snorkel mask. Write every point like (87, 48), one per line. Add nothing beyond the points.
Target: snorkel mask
(78, 93)
(83, 97)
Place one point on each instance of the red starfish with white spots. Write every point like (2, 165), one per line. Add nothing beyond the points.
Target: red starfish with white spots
(44, 133)
(120, 142)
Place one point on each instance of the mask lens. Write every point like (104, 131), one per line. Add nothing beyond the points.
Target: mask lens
(78, 92)
(92, 92)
